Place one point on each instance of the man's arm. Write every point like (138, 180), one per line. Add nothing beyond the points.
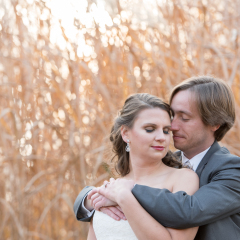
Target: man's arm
(80, 213)
(120, 192)
(214, 201)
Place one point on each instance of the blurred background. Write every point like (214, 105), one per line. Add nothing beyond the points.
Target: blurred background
(66, 67)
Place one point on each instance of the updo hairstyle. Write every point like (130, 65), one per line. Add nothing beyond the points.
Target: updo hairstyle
(127, 115)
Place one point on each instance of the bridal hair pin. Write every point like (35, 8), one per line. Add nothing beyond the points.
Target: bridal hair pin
(127, 147)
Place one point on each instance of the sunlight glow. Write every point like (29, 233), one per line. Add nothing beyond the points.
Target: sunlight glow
(67, 12)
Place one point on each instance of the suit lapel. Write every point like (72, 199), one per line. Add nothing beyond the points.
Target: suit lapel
(215, 146)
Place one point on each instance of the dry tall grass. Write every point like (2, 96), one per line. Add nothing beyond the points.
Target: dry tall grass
(58, 96)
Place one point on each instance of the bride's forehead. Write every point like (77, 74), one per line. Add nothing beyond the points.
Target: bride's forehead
(155, 114)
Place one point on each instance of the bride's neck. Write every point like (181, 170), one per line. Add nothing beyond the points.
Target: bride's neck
(140, 171)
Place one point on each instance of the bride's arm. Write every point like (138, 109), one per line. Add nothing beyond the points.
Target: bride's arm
(144, 225)
(91, 233)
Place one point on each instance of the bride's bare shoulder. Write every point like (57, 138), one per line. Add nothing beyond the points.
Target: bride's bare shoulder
(183, 173)
(186, 172)
(186, 180)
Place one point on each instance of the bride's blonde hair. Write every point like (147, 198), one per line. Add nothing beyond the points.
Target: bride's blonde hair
(127, 115)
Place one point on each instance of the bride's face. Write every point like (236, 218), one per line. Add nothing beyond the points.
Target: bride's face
(150, 135)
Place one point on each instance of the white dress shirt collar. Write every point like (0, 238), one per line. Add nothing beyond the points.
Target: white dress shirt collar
(195, 160)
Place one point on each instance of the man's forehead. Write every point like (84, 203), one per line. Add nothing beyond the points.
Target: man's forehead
(185, 94)
(182, 112)
(184, 102)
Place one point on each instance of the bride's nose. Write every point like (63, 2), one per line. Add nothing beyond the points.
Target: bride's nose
(160, 136)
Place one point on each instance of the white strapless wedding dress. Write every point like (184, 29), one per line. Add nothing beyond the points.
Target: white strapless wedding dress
(106, 228)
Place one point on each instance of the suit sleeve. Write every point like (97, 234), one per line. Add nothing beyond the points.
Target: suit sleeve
(214, 201)
(79, 212)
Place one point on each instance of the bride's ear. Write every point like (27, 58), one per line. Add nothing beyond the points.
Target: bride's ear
(125, 133)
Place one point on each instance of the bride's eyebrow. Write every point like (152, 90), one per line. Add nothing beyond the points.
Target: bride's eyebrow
(150, 125)
(154, 125)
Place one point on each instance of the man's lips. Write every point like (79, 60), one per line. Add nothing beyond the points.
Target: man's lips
(159, 148)
(175, 137)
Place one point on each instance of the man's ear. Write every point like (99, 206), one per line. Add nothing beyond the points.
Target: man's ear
(215, 128)
(125, 133)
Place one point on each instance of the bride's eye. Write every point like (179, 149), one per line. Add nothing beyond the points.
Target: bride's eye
(166, 131)
(149, 130)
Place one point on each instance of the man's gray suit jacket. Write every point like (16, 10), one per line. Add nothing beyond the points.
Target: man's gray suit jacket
(215, 207)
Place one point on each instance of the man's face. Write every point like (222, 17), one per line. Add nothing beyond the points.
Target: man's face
(190, 135)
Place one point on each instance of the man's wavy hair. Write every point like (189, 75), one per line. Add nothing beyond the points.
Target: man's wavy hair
(215, 102)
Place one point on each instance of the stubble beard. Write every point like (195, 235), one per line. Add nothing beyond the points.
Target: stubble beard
(189, 147)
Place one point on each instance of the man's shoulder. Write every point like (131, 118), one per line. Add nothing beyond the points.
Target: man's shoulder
(224, 153)
(222, 158)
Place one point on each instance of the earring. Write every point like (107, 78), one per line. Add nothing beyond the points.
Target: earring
(127, 147)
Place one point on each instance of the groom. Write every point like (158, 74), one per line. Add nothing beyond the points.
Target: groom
(203, 113)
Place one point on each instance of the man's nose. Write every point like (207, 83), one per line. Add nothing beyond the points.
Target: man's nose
(174, 124)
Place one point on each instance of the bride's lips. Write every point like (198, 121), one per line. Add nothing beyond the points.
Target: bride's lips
(159, 148)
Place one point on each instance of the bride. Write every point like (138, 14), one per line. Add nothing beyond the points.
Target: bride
(140, 138)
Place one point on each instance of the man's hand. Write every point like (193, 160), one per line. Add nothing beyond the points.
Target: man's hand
(116, 189)
(114, 212)
(98, 200)
(105, 205)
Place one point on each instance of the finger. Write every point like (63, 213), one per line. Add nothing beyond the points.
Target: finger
(105, 184)
(94, 196)
(112, 180)
(119, 208)
(99, 198)
(110, 213)
(102, 191)
(117, 212)
(93, 191)
(99, 205)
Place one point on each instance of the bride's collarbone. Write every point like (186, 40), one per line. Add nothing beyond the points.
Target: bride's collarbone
(160, 179)
(165, 180)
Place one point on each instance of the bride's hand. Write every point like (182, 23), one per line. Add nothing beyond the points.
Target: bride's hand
(115, 190)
